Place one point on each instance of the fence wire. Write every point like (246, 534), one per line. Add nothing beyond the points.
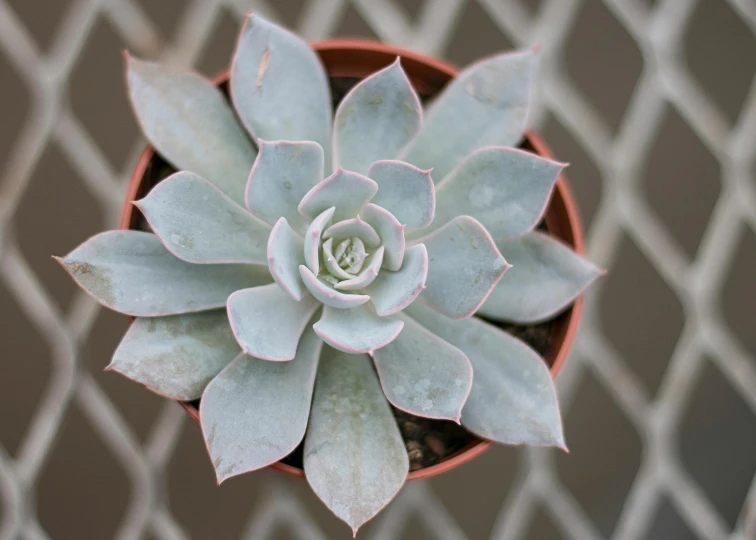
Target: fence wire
(657, 29)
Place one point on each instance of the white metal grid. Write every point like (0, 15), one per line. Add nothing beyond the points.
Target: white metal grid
(658, 32)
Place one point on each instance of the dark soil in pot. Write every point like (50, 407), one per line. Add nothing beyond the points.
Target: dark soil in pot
(432, 445)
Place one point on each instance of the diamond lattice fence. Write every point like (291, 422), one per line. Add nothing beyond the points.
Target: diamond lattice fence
(654, 104)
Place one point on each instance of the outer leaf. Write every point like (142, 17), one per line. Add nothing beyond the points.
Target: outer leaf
(190, 123)
(285, 254)
(504, 188)
(393, 291)
(405, 191)
(376, 119)
(463, 267)
(546, 277)
(354, 457)
(199, 224)
(267, 323)
(512, 400)
(345, 190)
(176, 356)
(325, 293)
(283, 173)
(279, 86)
(132, 273)
(424, 375)
(356, 330)
(255, 412)
(486, 105)
(391, 233)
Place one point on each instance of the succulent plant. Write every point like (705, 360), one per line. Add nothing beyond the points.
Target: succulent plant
(350, 252)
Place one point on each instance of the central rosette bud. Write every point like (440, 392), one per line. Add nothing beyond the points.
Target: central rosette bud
(353, 250)
(350, 254)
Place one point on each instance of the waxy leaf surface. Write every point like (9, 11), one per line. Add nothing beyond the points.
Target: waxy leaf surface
(131, 272)
(546, 277)
(354, 456)
(424, 375)
(512, 400)
(255, 412)
(199, 224)
(176, 356)
(191, 124)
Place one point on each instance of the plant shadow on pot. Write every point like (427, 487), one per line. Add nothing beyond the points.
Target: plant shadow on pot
(433, 446)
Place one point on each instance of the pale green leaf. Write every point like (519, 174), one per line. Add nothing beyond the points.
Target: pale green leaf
(354, 456)
(176, 356)
(255, 412)
(191, 124)
(131, 272)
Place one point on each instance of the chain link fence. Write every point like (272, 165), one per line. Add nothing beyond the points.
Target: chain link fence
(659, 393)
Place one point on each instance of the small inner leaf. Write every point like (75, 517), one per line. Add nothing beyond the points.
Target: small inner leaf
(347, 191)
(357, 329)
(351, 255)
(326, 294)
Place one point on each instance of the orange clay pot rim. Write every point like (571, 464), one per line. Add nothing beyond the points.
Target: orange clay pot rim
(476, 448)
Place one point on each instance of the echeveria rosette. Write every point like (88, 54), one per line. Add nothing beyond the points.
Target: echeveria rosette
(337, 241)
(348, 261)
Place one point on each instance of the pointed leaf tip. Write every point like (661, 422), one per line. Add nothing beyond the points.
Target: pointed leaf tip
(278, 393)
(297, 105)
(376, 119)
(191, 124)
(361, 474)
(546, 277)
(176, 356)
(357, 329)
(464, 266)
(506, 189)
(267, 322)
(199, 224)
(522, 384)
(424, 375)
(132, 273)
(486, 104)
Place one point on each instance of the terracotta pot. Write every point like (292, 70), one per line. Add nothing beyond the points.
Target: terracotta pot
(358, 59)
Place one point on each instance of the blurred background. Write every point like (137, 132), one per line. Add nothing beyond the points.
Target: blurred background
(653, 104)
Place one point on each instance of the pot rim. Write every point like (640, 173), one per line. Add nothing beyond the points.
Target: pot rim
(562, 216)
